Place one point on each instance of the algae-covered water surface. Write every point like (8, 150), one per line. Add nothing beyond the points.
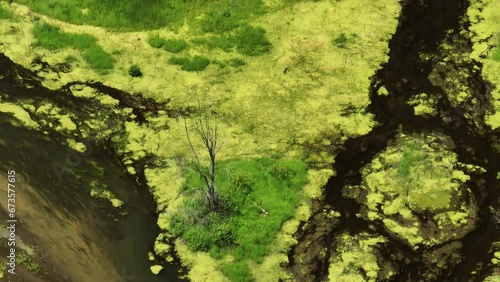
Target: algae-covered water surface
(230, 140)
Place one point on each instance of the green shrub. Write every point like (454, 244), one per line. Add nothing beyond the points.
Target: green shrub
(135, 71)
(196, 63)
(5, 14)
(156, 41)
(251, 41)
(238, 272)
(175, 45)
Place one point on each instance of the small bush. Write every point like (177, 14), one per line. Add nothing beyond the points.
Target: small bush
(238, 272)
(251, 41)
(196, 63)
(135, 71)
(174, 45)
(156, 41)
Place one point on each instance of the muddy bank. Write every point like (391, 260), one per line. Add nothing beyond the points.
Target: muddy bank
(98, 242)
(422, 28)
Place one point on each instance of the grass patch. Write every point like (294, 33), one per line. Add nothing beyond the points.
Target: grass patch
(52, 38)
(222, 42)
(196, 63)
(238, 272)
(496, 54)
(218, 16)
(248, 40)
(251, 41)
(5, 14)
(156, 41)
(175, 45)
(412, 157)
(245, 187)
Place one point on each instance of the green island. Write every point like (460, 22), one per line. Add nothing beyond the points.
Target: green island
(260, 140)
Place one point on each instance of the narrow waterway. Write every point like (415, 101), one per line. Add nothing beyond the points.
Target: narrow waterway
(423, 25)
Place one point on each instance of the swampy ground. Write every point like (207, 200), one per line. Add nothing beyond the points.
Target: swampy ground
(360, 140)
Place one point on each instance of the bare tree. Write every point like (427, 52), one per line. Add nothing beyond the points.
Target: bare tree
(206, 127)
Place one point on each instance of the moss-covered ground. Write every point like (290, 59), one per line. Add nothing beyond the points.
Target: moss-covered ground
(485, 27)
(417, 189)
(309, 77)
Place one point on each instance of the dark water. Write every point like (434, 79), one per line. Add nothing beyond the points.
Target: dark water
(82, 239)
(421, 28)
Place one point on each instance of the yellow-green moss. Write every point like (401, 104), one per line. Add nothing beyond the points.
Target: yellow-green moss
(484, 16)
(357, 255)
(22, 116)
(412, 176)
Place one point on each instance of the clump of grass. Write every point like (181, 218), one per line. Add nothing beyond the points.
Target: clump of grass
(412, 157)
(340, 41)
(52, 38)
(196, 63)
(245, 188)
(222, 42)
(156, 41)
(71, 59)
(174, 45)
(238, 272)
(496, 54)
(135, 71)
(251, 41)
(117, 52)
(219, 20)
(5, 14)
(236, 62)
(98, 59)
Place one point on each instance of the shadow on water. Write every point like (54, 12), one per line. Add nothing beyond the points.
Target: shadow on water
(422, 27)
